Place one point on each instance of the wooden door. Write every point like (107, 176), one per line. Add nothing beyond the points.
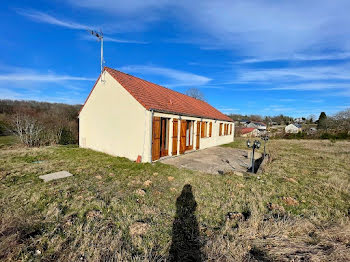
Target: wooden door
(210, 128)
(198, 135)
(183, 136)
(156, 138)
(175, 131)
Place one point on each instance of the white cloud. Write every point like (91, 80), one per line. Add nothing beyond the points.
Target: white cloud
(42, 17)
(227, 110)
(37, 77)
(262, 30)
(258, 28)
(176, 78)
(112, 39)
(315, 73)
(25, 83)
(297, 57)
(313, 87)
(45, 18)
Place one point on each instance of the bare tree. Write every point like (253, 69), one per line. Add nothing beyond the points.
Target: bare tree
(28, 129)
(342, 120)
(195, 93)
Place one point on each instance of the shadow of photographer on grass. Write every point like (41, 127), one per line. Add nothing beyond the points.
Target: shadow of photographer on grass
(186, 245)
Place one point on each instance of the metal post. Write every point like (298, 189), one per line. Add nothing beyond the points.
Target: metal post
(102, 58)
(265, 138)
(256, 144)
(100, 38)
(253, 160)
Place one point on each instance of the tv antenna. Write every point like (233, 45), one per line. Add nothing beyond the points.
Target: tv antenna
(99, 35)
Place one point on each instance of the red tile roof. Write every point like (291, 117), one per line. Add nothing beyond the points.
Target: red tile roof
(247, 130)
(160, 99)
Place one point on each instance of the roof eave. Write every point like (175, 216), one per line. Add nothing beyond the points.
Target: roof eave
(184, 114)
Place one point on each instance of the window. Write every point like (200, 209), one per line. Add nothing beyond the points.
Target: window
(220, 129)
(210, 128)
(204, 129)
(189, 133)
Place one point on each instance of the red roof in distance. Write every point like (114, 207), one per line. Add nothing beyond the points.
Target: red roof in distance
(158, 98)
(247, 130)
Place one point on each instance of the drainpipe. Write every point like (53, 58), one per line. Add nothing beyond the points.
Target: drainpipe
(151, 136)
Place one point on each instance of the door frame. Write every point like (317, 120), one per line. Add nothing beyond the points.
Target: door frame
(198, 138)
(175, 136)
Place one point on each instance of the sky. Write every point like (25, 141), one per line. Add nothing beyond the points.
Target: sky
(262, 57)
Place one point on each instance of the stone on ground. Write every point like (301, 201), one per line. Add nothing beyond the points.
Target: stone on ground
(55, 176)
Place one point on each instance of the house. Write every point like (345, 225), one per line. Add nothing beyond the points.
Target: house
(244, 122)
(130, 117)
(259, 125)
(312, 131)
(299, 120)
(293, 128)
(249, 132)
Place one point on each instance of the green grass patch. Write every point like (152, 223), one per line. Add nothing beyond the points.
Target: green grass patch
(8, 141)
(113, 208)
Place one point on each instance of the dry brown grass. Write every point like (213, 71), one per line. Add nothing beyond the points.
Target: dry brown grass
(100, 214)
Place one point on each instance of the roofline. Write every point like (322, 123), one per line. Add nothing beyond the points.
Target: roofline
(105, 68)
(184, 114)
(90, 93)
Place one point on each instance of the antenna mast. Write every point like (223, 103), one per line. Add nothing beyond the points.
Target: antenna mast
(100, 38)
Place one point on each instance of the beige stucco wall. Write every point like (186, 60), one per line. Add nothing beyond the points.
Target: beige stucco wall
(113, 122)
(206, 142)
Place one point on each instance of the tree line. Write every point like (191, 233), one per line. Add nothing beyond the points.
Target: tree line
(39, 123)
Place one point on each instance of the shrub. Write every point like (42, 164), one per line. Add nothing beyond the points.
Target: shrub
(67, 137)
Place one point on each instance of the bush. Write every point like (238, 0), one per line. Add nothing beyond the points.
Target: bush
(2, 129)
(299, 135)
(67, 137)
(335, 136)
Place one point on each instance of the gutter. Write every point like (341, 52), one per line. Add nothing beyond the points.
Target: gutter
(177, 113)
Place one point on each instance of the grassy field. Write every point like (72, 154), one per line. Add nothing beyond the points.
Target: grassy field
(113, 209)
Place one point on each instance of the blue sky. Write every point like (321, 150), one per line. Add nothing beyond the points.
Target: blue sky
(247, 57)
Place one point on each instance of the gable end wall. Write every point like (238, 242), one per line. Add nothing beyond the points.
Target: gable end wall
(113, 122)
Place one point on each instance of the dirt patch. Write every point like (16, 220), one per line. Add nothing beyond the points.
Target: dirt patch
(147, 183)
(140, 192)
(275, 207)
(138, 229)
(290, 179)
(290, 201)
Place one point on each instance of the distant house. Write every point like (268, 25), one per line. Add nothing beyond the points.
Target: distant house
(249, 132)
(244, 122)
(131, 117)
(299, 120)
(312, 131)
(293, 128)
(258, 125)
